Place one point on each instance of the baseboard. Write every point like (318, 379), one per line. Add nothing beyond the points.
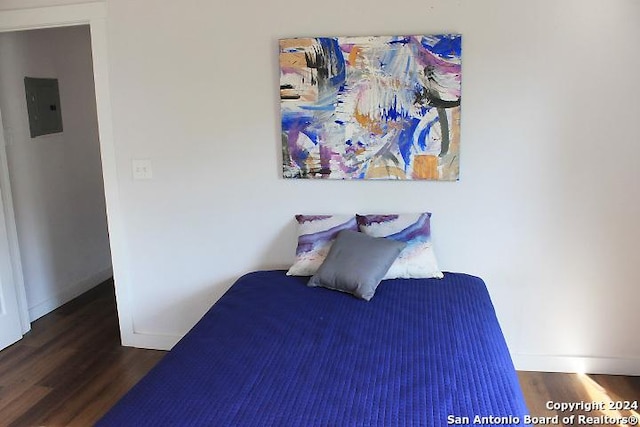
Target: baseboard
(67, 294)
(580, 364)
(149, 341)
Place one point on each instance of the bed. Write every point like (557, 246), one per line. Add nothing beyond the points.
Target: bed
(275, 352)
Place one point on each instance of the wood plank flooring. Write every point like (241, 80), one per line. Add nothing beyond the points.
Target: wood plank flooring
(70, 369)
(607, 391)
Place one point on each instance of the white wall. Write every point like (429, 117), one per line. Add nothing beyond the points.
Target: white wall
(545, 210)
(56, 180)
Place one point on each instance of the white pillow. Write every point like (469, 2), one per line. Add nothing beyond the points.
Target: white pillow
(417, 260)
(316, 234)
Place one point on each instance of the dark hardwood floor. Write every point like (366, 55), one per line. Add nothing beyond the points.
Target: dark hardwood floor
(70, 369)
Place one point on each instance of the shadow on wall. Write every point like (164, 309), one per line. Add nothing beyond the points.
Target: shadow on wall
(190, 307)
(275, 65)
(194, 300)
(272, 257)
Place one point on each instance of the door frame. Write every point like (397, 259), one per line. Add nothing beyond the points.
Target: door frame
(93, 14)
(16, 277)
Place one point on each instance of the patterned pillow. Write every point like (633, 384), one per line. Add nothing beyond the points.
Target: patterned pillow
(417, 260)
(316, 234)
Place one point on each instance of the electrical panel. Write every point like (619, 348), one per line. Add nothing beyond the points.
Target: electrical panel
(43, 106)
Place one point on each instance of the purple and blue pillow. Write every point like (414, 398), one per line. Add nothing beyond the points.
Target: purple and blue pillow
(316, 234)
(417, 260)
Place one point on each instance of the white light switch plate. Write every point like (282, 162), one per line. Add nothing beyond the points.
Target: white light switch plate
(141, 169)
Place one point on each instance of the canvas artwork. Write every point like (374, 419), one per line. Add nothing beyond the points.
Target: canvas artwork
(371, 107)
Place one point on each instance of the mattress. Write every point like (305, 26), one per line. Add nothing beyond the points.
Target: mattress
(274, 352)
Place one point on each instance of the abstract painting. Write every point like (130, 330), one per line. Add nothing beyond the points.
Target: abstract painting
(371, 107)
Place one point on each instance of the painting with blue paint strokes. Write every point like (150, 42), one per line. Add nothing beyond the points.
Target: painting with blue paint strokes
(371, 107)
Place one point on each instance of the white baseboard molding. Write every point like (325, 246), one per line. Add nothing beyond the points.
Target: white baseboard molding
(67, 294)
(149, 341)
(579, 364)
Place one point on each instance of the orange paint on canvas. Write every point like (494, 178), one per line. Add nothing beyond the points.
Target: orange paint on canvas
(296, 43)
(368, 123)
(425, 166)
(353, 55)
(384, 172)
(293, 60)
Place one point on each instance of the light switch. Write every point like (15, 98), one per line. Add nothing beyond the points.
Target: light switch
(141, 169)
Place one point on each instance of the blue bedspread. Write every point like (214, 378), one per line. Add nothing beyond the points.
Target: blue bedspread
(273, 352)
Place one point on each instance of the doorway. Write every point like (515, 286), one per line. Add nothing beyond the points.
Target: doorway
(13, 300)
(56, 178)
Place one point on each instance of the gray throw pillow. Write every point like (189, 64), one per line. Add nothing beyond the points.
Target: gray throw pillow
(356, 263)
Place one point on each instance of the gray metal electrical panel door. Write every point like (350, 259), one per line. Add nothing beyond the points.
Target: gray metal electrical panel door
(43, 106)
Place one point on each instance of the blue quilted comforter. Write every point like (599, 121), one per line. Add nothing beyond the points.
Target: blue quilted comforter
(273, 352)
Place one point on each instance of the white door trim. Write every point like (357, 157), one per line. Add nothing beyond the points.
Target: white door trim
(94, 14)
(12, 235)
